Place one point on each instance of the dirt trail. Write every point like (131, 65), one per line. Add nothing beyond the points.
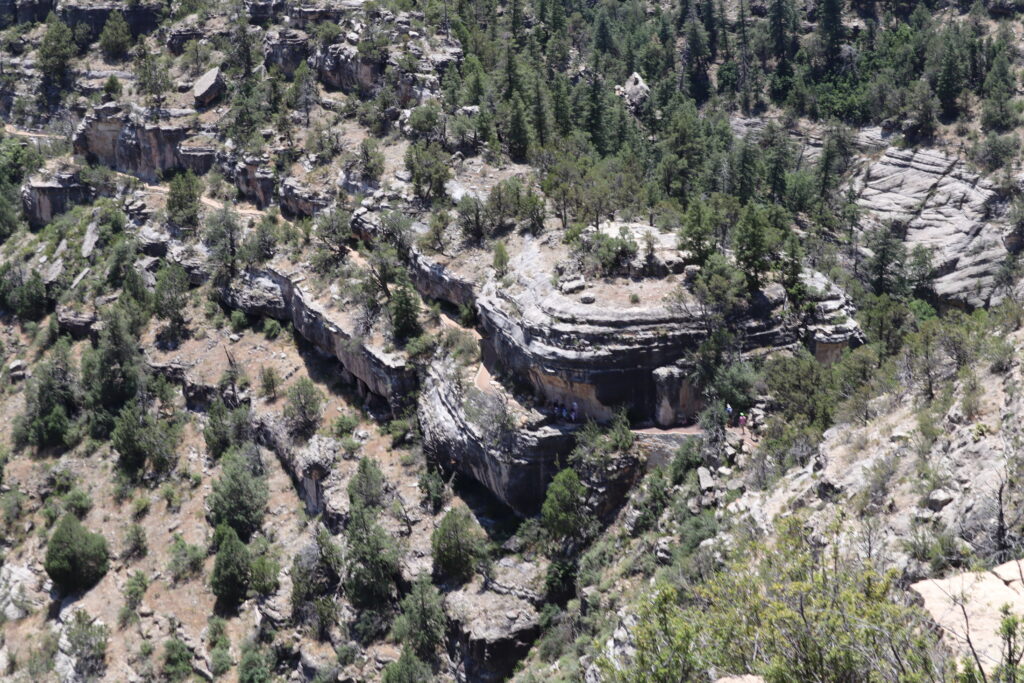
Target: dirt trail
(10, 129)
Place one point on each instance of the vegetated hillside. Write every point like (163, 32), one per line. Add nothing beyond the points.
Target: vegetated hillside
(480, 341)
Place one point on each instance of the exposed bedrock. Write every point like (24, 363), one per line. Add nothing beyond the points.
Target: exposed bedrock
(341, 66)
(492, 632)
(46, 196)
(316, 467)
(462, 431)
(141, 18)
(117, 136)
(602, 358)
(277, 295)
(286, 49)
(296, 199)
(932, 199)
(24, 11)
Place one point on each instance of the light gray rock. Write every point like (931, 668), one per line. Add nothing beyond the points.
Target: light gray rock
(208, 87)
(939, 498)
(934, 201)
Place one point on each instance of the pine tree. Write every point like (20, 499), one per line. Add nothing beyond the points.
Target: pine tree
(239, 497)
(366, 488)
(541, 113)
(112, 374)
(603, 40)
(831, 27)
(518, 131)
(458, 544)
(780, 27)
(404, 309)
(76, 559)
(421, 625)
(597, 115)
(753, 245)
(183, 199)
(950, 79)
(56, 49)
(231, 568)
(998, 112)
(170, 297)
(116, 37)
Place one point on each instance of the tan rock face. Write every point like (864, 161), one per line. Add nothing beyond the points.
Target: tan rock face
(967, 607)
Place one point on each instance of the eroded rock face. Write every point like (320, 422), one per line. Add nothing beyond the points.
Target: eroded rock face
(285, 49)
(297, 199)
(254, 179)
(46, 196)
(24, 11)
(932, 200)
(22, 590)
(119, 137)
(341, 66)
(141, 18)
(515, 464)
(494, 631)
(602, 357)
(316, 467)
(276, 295)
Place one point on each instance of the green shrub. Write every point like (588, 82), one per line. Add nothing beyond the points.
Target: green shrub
(177, 661)
(135, 545)
(271, 328)
(302, 411)
(77, 502)
(239, 321)
(458, 545)
(186, 559)
(366, 487)
(422, 623)
(76, 559)
(239, 498)
(408, 668)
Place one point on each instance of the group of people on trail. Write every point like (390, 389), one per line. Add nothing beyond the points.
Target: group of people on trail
(563, 410)
(740, 421)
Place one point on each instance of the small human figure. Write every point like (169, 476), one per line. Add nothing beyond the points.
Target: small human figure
(728, 411)
(743, 423)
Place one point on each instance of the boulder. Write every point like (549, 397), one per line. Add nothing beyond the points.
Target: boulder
(634, 91)
(17, 370)
(208, 87)
(938, 499)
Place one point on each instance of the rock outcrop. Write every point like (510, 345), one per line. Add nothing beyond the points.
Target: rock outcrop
(22, 591)
(47, 195)
(493, 631)
(285, 49)
(121, 138)
(208, 87)
(967, 609)
(930, 199)
(341, 66)
(141, 18)
(273, 294)
(297, 199)
(604, 357)
(511, 451)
